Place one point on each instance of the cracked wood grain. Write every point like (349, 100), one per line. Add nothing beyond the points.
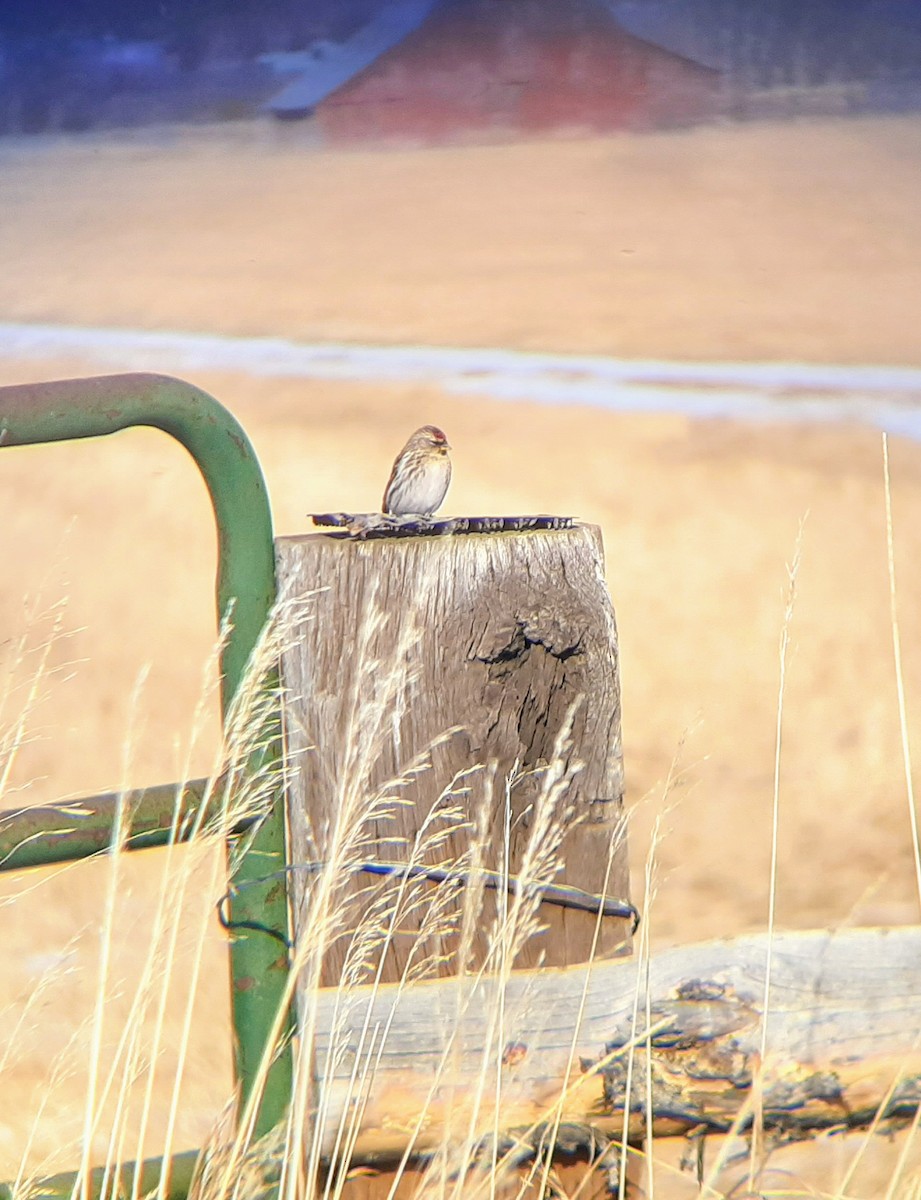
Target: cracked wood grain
(481, 648)
(844, 1043)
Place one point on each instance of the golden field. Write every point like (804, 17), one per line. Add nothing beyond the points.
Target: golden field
(796, 242)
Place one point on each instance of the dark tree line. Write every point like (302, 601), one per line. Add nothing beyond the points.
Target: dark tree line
(787, 43)
(250, 22)
(51, 78)
(762, 44)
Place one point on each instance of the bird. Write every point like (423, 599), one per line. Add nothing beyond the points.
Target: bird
(420, 476)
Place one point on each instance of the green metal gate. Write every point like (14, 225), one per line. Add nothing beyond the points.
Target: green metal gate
(246, 592)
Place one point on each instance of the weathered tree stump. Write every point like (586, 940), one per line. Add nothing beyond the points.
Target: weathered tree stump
(470, 651)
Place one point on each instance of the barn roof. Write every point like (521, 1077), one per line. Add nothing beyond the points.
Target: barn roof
(332, 65)
(521, 65)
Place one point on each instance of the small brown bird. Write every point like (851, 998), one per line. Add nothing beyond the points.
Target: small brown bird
(420, 476)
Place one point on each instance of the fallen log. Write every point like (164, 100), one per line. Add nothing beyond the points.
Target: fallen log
(413, 1069)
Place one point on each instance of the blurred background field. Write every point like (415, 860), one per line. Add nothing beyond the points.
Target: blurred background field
(795, 241)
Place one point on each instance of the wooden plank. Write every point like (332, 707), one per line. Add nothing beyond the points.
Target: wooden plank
(477, 652)
(844, 1039)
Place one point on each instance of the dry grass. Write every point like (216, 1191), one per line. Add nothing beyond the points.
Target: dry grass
(314, 1150)
(738, 242)
(794, 242)
(123, 1055)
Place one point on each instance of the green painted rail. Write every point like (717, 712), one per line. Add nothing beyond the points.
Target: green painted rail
(58, 833)
(246, 589)
(126, 1181)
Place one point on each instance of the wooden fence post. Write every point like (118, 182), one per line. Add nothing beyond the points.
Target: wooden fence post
(484, 648)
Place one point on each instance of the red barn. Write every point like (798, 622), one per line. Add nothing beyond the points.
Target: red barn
(519, 66)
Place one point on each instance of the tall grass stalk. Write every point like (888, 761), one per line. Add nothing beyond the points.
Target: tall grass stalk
(757, 1156)
(899, 679)
(911, 1134)
(314, 1153)
(119, 834)
(15, 734)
